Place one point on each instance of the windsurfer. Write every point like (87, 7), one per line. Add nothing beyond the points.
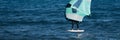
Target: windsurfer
(73, 22)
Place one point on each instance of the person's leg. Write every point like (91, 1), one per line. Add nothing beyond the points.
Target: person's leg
(77, 25)
(72, 24)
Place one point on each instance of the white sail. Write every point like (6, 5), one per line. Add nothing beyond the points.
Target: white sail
(78, 9)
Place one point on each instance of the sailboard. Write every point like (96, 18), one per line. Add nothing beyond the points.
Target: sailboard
(76, 30)
(77, 10)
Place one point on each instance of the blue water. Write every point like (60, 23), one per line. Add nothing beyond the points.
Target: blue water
(44, 20)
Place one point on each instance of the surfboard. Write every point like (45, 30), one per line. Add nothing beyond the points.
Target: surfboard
(76, 30)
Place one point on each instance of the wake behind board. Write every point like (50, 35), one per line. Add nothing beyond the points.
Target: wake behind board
(76, 30)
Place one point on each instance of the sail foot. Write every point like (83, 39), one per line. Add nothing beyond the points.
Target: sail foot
(75, 17)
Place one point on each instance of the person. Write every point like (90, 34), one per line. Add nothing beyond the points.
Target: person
(73, 22)
(76, 10)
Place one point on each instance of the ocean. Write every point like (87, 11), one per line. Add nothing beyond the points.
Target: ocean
(45, 20)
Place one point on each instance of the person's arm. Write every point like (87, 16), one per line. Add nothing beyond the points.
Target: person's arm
(68, 8)
(68, 5)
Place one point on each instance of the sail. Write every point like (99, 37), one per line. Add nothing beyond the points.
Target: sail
(78, 9)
